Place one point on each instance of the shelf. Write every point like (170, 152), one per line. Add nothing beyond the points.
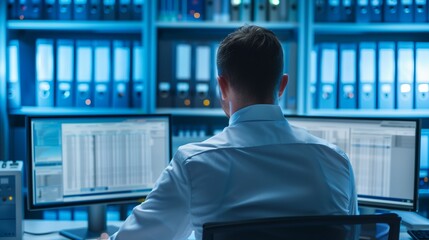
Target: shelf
(195, 112)
(53, 111)
(226, 26)
(209, 112)
(81, 26)
(379, 28)
(398, 113)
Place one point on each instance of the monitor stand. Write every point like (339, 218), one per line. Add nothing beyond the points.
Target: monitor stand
(97, 224)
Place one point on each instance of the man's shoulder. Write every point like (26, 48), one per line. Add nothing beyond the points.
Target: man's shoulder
(304, 136)
(190, 150)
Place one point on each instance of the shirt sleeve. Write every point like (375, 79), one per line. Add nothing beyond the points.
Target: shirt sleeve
(165, 213)
(354, 210)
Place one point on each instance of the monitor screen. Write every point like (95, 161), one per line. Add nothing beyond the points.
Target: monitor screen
(384, 154)
(424, 161)
(75, 160)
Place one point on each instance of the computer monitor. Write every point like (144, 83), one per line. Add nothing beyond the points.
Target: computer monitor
(424, 161)
(94, 160)
(384, 154)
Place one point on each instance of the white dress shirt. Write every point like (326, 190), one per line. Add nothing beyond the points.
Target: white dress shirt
(259, 166)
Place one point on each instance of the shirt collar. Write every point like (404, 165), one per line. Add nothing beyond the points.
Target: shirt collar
(257, 112)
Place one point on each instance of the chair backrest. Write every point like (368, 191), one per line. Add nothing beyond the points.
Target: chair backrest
(332, 227)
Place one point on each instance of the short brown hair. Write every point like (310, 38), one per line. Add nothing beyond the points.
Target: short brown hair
(252, 58)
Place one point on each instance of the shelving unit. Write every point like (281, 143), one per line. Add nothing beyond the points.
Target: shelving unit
(24, 111)
(209, 31)
(351, 32)
(81, 26)
(364, 28)
(12, 120)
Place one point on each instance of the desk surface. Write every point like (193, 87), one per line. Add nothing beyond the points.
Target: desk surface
(44, 226)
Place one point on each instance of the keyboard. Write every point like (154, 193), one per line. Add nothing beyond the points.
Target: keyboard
(419, 234)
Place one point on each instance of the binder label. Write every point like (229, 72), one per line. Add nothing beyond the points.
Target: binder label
(367, 69)
(65, 61)
(183, 61)
(348, 66)
(84, 65)
(328, 67)
(102, 64)
(45, 62)
(13, 64)
(121, 64)
(203, 63)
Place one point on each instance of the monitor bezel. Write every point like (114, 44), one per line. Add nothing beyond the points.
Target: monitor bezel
(370, 204)
(30, 203)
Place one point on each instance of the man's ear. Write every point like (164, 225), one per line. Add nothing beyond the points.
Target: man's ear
(283, 84)
(223, 86)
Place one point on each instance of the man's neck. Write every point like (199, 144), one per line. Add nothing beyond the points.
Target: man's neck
(234, 106)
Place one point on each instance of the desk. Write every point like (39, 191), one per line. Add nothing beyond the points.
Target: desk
(43, 226)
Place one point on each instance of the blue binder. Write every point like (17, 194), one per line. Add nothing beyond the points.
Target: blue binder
(363, 11)
(209, 10)
(221, 11)
(162, 10)
(422, 75)
(35, 9)
(12, 9)
(348, 87)
(260, 10)
(348, 11)
(137, 10)
(386, 75)
(292, 10)
(320, 13)
(333, 13)
(80, 10)
(13, 77)
(275, 8)
(405, 84)
(138, 74)
(406, 11)
(314, 67)
(94, 10)
(246, 11)
(121, 74)
(235, 10)
(194, 10)
(22, 10)
(109, 10)
(50, 9)
(124, 10)
(183, 74)
(102, 74)
(203, 64)
(65, 76)
(376, 10)
(420, 11)
(215, 93)
(84, 73)
(328, 76)
(367, 75)
(65, 9)
(165, 94)
(391, 11)
(45, 72)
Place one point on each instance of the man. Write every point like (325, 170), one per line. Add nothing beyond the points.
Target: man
(259, 166)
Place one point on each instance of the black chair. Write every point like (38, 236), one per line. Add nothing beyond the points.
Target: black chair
(332, 227)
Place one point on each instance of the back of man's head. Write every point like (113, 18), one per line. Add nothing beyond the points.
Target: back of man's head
(251, 58)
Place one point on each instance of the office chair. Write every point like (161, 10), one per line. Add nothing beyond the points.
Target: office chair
(332, 227)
